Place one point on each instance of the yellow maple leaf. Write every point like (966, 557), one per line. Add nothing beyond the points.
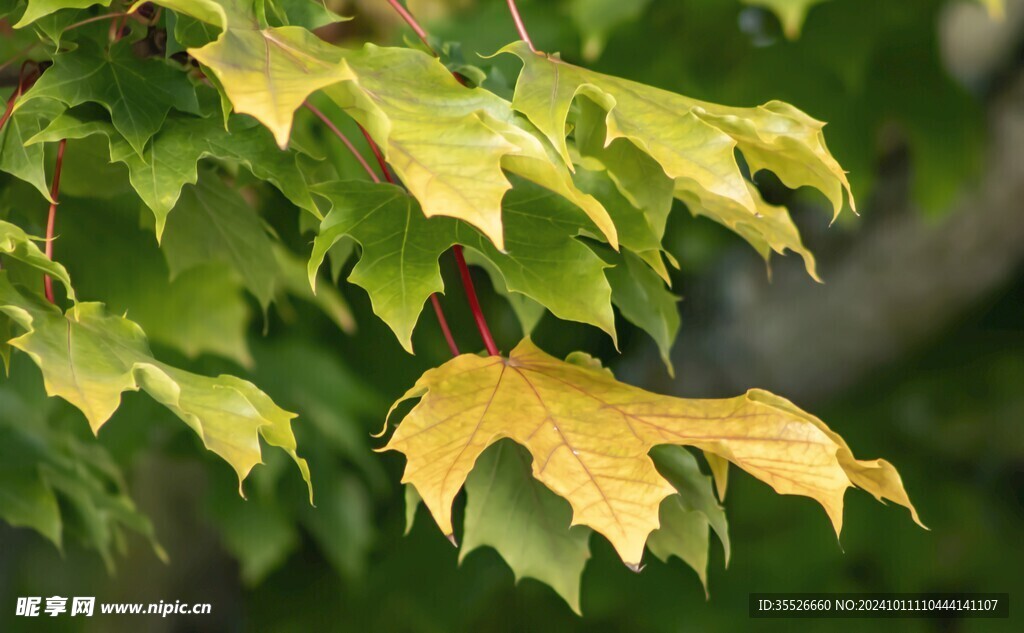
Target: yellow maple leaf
(590, 436)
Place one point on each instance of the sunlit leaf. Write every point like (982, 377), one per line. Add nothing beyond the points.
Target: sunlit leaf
(590, 435)
(36, 9)
(266, 72)
(449, 143)
(693, 141)
(89, 358)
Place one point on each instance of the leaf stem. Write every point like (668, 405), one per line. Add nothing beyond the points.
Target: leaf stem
(344, 139)
(467, 280)
(51, 219)
(520, 27)
(377, 154)
(25, 80)
(95, 18)
(413, 24)
(474, 303)
(117, 29)
(19, 54)
(434, 301)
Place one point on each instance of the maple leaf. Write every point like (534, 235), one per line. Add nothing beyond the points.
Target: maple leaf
(687, 517)
(642, 298)
(590, 436)
(21, 160)
(89, 358)
(36, 9)
(170, 159)
(399, 264)
(266, 71)
(693, 142)
(138, 93)
(509, 510)
(18, 244)
(57, 483)
(212, 222)
(448, 143)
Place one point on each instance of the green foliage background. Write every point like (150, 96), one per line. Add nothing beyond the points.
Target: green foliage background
(947, 412)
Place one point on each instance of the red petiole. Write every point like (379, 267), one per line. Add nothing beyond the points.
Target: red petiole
(51, 218)
(467, 280)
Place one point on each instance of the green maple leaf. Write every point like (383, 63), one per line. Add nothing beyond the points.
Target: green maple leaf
(213, 223)
(138, 93)
(509, 510)
(399, 265)
(27, 162)
(309, 14)
(528, 312)
(18, 245)
(202, 310)
(403, 98)
(89, 358)
(170, 160)
(687, 516)
(266, 72)
(54, 482)
(640, 294)
(36, 9)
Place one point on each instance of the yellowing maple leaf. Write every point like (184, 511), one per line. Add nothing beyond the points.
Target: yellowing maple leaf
(266, 72)
(590, 436)
(448, 143)
(693, 143)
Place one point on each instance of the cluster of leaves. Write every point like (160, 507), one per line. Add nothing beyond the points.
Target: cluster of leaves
(562, 194)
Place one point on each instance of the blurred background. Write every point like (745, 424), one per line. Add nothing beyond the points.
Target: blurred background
(913, 350)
